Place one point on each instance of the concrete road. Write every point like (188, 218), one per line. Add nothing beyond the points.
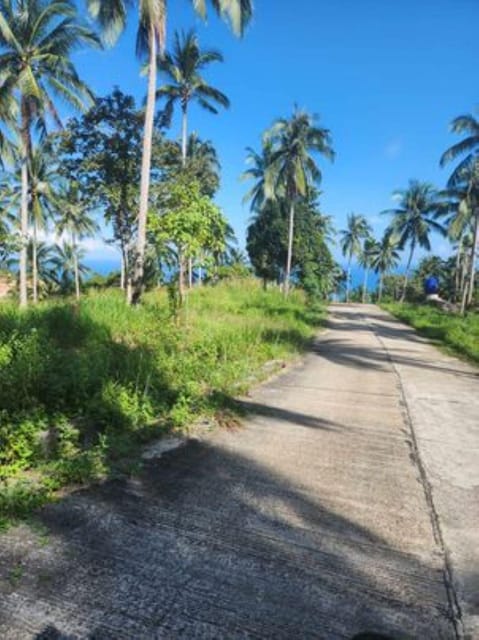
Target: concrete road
(347, 503)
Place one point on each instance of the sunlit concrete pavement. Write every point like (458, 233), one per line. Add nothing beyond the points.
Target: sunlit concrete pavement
(348, 502)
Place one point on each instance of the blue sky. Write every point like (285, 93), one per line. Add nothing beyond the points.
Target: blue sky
(386, 78)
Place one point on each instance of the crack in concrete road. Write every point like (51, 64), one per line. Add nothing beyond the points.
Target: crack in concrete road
(308, 522)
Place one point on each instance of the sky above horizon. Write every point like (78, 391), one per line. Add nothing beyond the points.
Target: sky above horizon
(385, 77)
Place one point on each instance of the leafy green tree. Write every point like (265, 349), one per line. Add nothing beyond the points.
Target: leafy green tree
(111, 15)
(357, 229)
(190, 222)
(101, 153)
(414, 220)
(467, 174)
(183, 69)
(291, 170)
(37, 39)
(202, 163)
(74, 221)
(384, 257)
(267, 241)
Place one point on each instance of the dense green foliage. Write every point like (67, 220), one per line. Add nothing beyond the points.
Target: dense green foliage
(460, 334)
(83, 385)
(286, 176)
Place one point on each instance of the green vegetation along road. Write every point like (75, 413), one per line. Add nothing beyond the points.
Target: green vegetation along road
(346, 503)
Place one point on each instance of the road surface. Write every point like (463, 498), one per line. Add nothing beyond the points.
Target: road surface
(348, 502)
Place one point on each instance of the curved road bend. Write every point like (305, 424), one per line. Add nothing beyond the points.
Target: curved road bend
(348, 502)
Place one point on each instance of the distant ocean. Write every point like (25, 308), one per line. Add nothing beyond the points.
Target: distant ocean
(103, 267)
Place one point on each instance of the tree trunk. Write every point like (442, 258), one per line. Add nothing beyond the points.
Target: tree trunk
(75, 268)
(406, 275)
(457, 275)
(181, 277)
(464, 297)
(348, 277)
(184, 135)
(190, 273)
(365, 284)
(122, 270)
(380, 292)
(137, 285)
(24, 206)
(200, 276)
(34, 263)
(472, 266)
(289, 258)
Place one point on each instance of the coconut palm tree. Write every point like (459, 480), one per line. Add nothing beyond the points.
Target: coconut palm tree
(43, 176)
(357, 229)
(414, 220)
(460, 227)
(384, 257)
(36, 40)
(365, 257)
(292, 171)
(75, 221)
(66, 261)
(467, 174)
(202, 163)
(183, 70)
(45, 272)
(42, 202)
(257, 171)
(111, 15)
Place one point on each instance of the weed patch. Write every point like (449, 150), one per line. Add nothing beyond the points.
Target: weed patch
(459, 334)
(84, 385)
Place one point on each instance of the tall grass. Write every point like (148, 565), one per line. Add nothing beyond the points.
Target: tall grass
(83, 386)
(459, 334)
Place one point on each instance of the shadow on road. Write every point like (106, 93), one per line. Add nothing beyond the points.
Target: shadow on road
(206, 543)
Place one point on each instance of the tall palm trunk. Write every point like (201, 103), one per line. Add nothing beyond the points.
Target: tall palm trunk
(365, 284)
(25, 136)
(472, 266)
(184, 134)
(406, 275)
(75, 268)
(348, 277)
(34, 263)
(381, 282)
(289, 258)
(137, 285)
(184, 142)
(122, 271)
(457, 275)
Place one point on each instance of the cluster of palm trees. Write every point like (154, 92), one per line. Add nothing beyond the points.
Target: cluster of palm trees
(421, 209)
(37, 39)
(54, 207)
(285, 170)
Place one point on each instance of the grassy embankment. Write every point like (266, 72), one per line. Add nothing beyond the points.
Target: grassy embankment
(83, 387)
(460, 335)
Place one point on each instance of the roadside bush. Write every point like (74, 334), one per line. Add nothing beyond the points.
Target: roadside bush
(460, 334)
(84, 384)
